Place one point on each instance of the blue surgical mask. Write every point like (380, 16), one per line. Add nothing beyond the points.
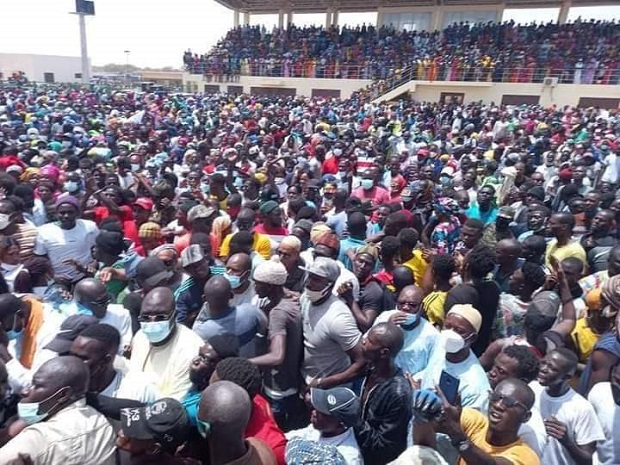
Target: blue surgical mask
(235, 281)
(411, 320)
(156, 331)
(29, 411)
(367, 184)
(12, 334)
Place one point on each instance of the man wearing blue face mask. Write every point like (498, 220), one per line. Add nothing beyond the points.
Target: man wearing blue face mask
(162, 347)
(58, 419)
(238, 270)
(420, 336)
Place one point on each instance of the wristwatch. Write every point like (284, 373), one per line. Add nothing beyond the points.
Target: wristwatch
(462, 445)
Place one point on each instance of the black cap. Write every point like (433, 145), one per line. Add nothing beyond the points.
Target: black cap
(164, 421)
(152, 271)
(339, 402)
(69, 331)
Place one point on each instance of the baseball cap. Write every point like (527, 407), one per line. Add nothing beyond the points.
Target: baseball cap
(268, 207)
(164, 421)
(144, 203)
(339, 402)
(545, 303)
(192, 254)
(200, 211)
(324, 267)
(152, 271)
(69, 331)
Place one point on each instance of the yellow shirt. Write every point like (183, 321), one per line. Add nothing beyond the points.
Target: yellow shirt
(433, 307)
(572, 249)
(261, 245)
(417, 265)
(475, 426)
(584, 339)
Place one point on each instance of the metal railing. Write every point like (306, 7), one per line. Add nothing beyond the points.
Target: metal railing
(390, 78)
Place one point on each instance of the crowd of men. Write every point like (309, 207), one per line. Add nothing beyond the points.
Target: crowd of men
(216, 280)
(580, 52)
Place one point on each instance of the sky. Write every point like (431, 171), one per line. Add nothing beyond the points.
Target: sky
(156, 32)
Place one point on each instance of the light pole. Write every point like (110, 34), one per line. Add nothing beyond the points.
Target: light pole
(127, 53)
(84, 8)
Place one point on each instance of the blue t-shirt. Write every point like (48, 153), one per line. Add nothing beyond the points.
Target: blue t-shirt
(487, 217)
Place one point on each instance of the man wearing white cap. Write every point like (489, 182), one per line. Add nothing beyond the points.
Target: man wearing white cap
(332, 341)
(454, 356)
(284, 331)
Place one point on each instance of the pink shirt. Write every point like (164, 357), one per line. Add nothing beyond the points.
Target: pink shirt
(377, 195)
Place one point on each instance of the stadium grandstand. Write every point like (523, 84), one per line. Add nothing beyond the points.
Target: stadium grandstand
(413, 42)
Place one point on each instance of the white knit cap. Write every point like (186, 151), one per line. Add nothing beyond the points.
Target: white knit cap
(271, 272)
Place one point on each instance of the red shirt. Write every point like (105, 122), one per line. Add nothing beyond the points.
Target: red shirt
(330, 166)
(130, 230)
(263, 426)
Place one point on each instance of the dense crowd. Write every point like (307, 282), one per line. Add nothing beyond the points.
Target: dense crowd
(580, 52)
(205, 279)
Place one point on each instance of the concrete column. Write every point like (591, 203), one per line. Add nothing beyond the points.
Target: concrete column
(281, 19)
(236, 18)
(379, 18)
(289, 19)
(335, 18)
(500, 13)
(564, 9)
(246, 18)
(436, 19)
(328, 19)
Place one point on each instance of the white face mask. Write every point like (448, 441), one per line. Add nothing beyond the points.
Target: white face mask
(315, 296)
(337, 152)
(452, 341)
(70, 186)
(135, 167)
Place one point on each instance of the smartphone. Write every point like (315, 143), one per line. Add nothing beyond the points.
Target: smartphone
(449, 385)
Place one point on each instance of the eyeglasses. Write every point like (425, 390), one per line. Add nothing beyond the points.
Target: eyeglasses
(151, 318)
(400, 305)
(507, 401)
(103, 301)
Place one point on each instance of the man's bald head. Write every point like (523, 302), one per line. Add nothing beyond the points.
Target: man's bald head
(65, 371)
(411, 292)
(518, 390)
(88, 289)
(217, 292)
(158, 301)
(390, 336)
(402, 277)
(227, 407)
(239, 261)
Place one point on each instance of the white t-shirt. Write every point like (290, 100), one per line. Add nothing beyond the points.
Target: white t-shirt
(576, 413)
(534, 433)
(608, 413)
(169, 364)
(64, 244)
(132, 385)
(345, 442)
(118, 316)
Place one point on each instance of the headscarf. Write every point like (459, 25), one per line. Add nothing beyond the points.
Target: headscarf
(29, 173)
(446, 206)
(50, 171)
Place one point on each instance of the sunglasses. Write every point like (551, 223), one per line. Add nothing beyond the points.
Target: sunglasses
(507, 401)
(103, 301)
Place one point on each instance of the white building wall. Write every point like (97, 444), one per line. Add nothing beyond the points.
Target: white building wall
(35, 66)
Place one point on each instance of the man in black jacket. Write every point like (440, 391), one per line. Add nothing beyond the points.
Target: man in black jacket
(386, 397)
